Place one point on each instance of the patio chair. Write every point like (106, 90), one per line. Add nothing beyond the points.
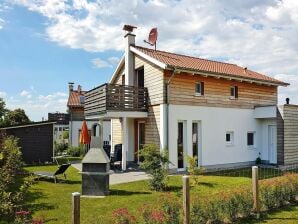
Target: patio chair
(117, 157)
(53, 175)
(107, 149)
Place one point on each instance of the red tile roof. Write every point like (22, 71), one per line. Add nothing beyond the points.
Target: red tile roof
(208, 66)
(74, 98)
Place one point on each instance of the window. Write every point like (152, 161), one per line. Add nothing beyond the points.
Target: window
(251, 139)
(229, 138)
(234, 92)
(199, 88)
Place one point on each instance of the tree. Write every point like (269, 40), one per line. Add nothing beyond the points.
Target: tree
(16, 117)
(3, 110)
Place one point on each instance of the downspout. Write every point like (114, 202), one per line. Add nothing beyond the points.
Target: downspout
(168, 102)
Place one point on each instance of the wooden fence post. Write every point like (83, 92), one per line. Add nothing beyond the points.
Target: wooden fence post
(186, 200)
(255, 190)
(76, 208)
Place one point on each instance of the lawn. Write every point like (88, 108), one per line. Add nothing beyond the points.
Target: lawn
(53, 201)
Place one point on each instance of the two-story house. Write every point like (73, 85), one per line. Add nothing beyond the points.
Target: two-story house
(75, 105)
(225, 114)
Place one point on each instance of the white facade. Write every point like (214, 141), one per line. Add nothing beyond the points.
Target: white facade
(76, 126)
(214, 123)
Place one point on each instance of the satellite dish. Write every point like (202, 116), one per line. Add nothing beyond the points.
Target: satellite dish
(152, 38)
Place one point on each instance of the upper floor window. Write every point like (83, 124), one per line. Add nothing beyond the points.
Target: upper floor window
(123, 79)
(229, 138)
(234, 92)
(199, 88)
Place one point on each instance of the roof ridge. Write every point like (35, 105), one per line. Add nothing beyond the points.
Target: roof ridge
(205, 59)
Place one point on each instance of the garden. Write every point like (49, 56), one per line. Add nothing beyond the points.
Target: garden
(214, 198)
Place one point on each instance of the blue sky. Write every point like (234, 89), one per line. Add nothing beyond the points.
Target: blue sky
(45, 44)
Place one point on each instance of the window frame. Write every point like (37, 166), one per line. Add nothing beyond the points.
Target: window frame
(235, 92)
(231, 142)
(201, 93)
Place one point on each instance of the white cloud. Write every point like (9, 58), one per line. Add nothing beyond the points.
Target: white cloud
(25, 93)
(2, 22)
(100, 63)
(261, 35)
(38, 106)
(3, 94)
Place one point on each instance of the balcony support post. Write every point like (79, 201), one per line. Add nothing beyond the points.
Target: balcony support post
(124, 142)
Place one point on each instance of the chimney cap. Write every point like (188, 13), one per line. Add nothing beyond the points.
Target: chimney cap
(129, 28)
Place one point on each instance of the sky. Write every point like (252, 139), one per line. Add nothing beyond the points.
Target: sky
(44, 44)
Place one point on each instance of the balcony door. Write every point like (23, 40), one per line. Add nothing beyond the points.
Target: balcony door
(139, 79)
(181, 147)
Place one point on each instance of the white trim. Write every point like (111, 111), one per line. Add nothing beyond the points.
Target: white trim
(119, 114)
(148, 58)
(120, 64)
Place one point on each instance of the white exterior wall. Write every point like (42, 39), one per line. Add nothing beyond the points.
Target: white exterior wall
(215, 122)
(75, 126)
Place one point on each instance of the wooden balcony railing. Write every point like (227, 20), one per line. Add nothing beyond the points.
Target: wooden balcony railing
(110, 97)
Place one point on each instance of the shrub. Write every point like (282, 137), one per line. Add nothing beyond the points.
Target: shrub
(122, 216)
(171, 206)
(13, 187)
(76, 151)
(155, 162)
(59, 147)
(193, 168)
(278, 191)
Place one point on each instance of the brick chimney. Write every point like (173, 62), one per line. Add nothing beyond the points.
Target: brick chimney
(129, 40)
(70, 86)
(79, 89)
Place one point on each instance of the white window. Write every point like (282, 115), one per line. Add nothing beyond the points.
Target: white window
(229, 137)
(251, 139)
(199, 89)
(234, 92)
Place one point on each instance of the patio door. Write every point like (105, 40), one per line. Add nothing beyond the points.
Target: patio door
(272, 144)
(181, 149)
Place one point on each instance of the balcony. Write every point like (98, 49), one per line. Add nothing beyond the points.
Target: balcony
(110, 100)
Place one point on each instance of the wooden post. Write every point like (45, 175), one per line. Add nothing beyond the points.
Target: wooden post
(255, 189)
(76, 208)
(186, 200)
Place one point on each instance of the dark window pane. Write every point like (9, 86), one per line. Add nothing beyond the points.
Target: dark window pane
(250, 138)
(233, 91)
(198, 88)
(228, 137)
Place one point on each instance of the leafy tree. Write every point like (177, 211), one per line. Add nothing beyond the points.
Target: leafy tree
(3, 110)
(16, 117)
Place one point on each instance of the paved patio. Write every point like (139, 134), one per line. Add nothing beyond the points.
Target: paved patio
(121, 177)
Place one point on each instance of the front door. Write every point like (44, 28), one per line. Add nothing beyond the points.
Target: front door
(272, 151)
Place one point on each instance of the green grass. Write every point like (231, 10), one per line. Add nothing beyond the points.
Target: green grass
(53, 201)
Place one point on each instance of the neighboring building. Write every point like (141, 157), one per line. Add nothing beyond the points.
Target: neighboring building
(225, 114)
(61, 126)
(75, 106)
(35, 140)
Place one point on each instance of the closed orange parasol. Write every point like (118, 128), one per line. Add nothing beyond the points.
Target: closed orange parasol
(84, 137)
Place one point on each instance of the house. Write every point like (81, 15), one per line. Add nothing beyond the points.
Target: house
(225, 114)
(75, 104)
(35, 139)
(60, 127)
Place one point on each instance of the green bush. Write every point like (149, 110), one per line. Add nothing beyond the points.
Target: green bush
(278, 191)
(193, 169)
(155, 163)
(13, 186)
(60, 147)
(76, 151)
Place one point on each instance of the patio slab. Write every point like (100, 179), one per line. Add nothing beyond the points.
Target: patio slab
(121, 177)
